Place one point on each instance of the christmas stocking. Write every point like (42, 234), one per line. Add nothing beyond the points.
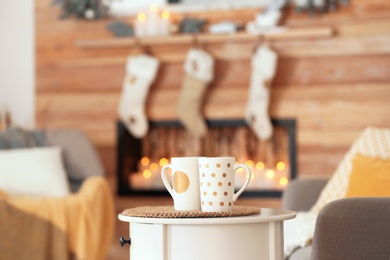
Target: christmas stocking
(199, 72)
(141, 71)
(263, 71)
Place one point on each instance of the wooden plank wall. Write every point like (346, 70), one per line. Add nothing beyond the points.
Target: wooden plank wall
(334, 87)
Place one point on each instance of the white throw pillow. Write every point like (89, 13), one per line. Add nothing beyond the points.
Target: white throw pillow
(37, 172)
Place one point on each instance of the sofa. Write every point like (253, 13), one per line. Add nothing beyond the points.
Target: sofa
(348, 215)
(53, 216)
(348, 228)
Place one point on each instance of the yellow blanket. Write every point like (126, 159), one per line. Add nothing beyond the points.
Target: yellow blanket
(80, 226)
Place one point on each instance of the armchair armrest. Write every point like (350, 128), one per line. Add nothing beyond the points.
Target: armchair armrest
(353, 228)
(301, 194)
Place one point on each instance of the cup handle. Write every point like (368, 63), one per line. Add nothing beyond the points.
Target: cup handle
(248, 178)
(165, 179)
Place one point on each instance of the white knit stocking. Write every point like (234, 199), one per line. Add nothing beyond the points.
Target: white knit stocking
(256, 113)
(141, 71)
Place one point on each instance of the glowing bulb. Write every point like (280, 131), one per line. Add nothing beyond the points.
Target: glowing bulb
(249, 163)
(260, 165)
(163, 161)
(154, 167)
(252, 177)
(270, 174)
(165, 15)
(239, 170)
(283, 181)
(153, 8)
(147, 174)
(141, 17)
(145, 161)
(280, 166)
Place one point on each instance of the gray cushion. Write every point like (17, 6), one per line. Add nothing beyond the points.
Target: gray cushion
(15, 137)
(80, 157)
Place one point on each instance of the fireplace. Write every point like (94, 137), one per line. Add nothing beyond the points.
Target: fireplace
(273, 163)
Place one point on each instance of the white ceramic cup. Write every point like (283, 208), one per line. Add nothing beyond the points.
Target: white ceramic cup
(217, 175)
(185, 182)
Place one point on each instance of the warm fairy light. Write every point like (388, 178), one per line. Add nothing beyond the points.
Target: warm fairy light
(260, 165)
(163, 161)
(153, 8)
(154, 167)
(270, 174)
(249, 163)
(252, 176)
(239, 170)
(283, 181)
(141, 17)
(280, 166)
(145, 161)
(169, 171)
(165, 15)
(147, 174)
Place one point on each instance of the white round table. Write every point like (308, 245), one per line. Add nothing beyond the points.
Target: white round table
(254, 237)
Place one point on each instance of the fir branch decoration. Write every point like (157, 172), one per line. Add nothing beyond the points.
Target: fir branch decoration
(120, 29)
(89, 9)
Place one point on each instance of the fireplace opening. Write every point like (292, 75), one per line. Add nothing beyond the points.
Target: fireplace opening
(273, 162)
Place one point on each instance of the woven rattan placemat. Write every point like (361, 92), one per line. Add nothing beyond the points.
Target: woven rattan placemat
(170, 212)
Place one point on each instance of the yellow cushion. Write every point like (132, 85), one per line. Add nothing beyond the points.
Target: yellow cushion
(374, 142)
(370, 177)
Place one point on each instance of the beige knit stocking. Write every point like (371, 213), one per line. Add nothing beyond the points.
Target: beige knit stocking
(199, 73)
(189, 105)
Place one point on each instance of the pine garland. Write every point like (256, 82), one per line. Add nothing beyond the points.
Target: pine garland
(89, 9)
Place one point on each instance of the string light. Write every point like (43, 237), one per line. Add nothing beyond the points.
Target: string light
(239, 170)
(283, 181)
(260, 166)
(249, 163)
(163, 161)
(270, 174)
(154, 167)
(153, 8)
(145, 161)
(147, 174)
(280, 166)
(165, 15)
(141, 17)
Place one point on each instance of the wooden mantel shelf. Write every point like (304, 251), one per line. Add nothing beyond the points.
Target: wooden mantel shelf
(280, 34)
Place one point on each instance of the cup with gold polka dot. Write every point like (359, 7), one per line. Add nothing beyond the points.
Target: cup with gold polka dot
(217, 175)
(185, 182)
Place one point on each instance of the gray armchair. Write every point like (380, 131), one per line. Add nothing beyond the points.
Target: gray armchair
(350, 228)
(78, 226)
